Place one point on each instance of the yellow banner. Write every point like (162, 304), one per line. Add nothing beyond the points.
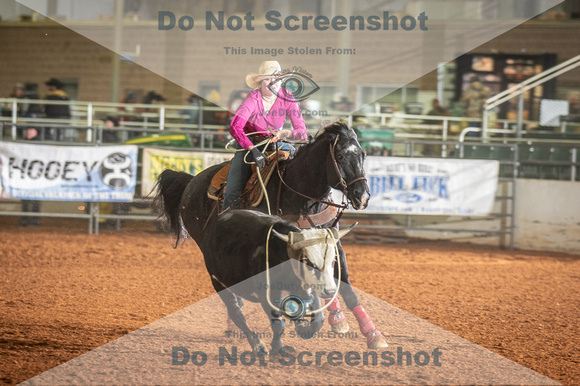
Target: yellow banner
(156, 161)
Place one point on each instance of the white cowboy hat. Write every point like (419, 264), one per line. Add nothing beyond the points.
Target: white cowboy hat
(267, 69)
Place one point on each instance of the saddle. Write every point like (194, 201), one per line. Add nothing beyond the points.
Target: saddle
(253, 192)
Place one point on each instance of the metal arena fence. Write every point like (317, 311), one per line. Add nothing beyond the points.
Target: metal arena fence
(545, 158)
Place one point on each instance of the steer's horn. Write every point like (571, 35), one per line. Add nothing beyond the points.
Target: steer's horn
(281, 236)
(343, 232)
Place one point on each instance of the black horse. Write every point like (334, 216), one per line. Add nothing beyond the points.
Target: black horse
(334, 159)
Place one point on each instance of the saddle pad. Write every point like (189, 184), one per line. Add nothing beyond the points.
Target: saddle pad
(218, 180)
(253, 193)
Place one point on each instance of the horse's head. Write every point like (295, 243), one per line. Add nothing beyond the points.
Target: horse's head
(345, 166)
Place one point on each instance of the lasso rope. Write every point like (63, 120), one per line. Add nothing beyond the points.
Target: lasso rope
(310, 313)
(265, 144)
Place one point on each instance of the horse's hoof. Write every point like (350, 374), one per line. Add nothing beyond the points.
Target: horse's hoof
(376, 340)
(275, 355)
(340, 327)
(338, 322)
(260, 350)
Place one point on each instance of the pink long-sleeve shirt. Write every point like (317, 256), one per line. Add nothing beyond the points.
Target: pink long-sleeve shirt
(251, 118)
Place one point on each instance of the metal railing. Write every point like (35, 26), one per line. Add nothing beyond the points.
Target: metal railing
(131, 116)
(405, 138)
(94, 215)
(519, 90)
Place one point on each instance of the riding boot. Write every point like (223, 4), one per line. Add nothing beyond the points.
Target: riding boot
(238, 176)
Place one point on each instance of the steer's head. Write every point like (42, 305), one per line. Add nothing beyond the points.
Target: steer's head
(312, 254)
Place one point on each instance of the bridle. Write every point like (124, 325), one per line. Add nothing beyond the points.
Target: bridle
(341, 181)
(343, 184)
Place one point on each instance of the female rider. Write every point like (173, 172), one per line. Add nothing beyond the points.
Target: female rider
(260, 116)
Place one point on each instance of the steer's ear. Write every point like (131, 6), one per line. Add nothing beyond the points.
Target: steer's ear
(343, 232)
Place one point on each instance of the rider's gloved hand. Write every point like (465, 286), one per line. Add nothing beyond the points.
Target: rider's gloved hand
(259, 158)
(281, 135)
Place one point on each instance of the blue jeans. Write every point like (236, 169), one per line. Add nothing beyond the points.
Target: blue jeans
(239, 174)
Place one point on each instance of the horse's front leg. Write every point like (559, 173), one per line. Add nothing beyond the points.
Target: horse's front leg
(337, 320)
(277, 324)
(308, 326)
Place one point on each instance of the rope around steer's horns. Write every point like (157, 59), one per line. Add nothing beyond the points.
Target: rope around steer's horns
(310, 313)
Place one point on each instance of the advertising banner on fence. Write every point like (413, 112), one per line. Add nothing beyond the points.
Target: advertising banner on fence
(431, 186)
(63, 173)
(157, 160)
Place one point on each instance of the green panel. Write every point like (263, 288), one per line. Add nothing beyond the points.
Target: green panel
(368, 137)
(178, 140)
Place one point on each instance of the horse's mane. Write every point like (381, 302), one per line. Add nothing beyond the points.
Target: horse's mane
(331, 131)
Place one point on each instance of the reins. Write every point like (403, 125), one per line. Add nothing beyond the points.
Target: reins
(341, 181)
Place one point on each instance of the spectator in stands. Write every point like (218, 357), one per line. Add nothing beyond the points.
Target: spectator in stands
(193, 115)
(437, 110)
(56, 93)
(396, 117)
(127, 109)
(153, 98)
(236, 99)
(31, 134)
(218, 117)
(130, 98)
(31, 110)
(18, 93)
(474, 98)
(341, 102)
(110, 133)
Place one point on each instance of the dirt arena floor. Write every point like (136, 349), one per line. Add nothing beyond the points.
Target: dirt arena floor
(64, 293)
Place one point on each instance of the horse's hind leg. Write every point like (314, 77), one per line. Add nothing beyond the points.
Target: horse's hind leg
(233, 304)
(375, 339)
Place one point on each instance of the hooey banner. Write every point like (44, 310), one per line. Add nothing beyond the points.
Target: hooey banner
(68, 173)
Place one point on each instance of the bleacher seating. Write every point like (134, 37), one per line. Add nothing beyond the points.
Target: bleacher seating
(369, 139)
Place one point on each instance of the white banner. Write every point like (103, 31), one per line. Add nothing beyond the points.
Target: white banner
(431, 186)
(156, 160)
(63, 173)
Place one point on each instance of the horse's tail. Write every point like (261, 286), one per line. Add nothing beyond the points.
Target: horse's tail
(169, 189)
